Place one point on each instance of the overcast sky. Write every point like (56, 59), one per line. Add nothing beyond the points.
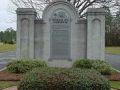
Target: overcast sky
(7, 18)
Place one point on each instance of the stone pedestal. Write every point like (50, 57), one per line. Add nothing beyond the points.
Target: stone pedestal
(25, 32)
(96, 33)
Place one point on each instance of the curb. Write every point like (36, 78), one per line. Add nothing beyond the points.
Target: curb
(112, 54)
(116, 70)
(115, 88)
(3, 69)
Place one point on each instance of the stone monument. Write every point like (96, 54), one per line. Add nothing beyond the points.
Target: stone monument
(60, 36)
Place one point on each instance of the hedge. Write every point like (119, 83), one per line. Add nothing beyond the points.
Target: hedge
(101, 66)
(24, 65)
(63, 79)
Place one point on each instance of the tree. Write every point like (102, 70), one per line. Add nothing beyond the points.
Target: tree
(113, 29)
(1, 36)
(108, 26)
(116, 28)
(80, 5)
(8, 36)
(108, 19)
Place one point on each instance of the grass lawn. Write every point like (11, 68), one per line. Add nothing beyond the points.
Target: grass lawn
(7, 47)
(113, 50)
(6, 84)
(115, 84)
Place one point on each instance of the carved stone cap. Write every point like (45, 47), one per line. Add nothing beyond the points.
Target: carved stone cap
(81, 21)
(26, 11)
(98, 11)
(58, 0)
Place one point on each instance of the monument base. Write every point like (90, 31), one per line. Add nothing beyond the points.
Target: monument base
(60, 63)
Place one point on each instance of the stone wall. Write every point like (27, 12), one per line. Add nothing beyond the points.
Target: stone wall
(60, 37)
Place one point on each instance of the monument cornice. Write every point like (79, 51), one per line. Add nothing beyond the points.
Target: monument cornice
(96, 11)
(60, 2)
(26, 11)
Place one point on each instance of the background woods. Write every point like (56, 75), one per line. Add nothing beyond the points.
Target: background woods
(8, 36)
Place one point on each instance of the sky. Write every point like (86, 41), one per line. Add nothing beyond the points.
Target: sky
(7, 17)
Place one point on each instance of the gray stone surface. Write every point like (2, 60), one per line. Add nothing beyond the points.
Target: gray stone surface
(96, 33)
(60, 34)
(25, 32)
(73, 30)
(60, 27)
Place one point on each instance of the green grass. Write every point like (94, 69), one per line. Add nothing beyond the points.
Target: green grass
(7, 47)
(6, 84)
(113, 50)
(115, 84)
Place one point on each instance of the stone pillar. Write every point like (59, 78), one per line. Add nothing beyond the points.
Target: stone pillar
(25, 32)
(96, 33)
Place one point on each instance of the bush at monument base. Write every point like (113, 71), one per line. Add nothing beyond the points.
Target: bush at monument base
(24, 65)
(102, 67)
(82, 63)
(63, 79)
(99, 65)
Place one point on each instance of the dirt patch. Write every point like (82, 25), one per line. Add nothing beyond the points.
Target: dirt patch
(114, 76)
(8, 76)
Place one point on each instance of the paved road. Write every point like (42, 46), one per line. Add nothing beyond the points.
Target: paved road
(114, 60)
(5, 57)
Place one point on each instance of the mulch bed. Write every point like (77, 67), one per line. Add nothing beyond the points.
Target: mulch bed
(8, 76)
(114, 76)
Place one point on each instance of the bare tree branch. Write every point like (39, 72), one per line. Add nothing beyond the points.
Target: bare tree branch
(80, 5)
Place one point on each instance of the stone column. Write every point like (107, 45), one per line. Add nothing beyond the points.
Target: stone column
(96, 33)
(25, 32)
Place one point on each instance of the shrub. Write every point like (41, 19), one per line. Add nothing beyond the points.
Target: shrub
(11, 42)
(24, 65)
(83, 63)
(100, 65)
(63, 79)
